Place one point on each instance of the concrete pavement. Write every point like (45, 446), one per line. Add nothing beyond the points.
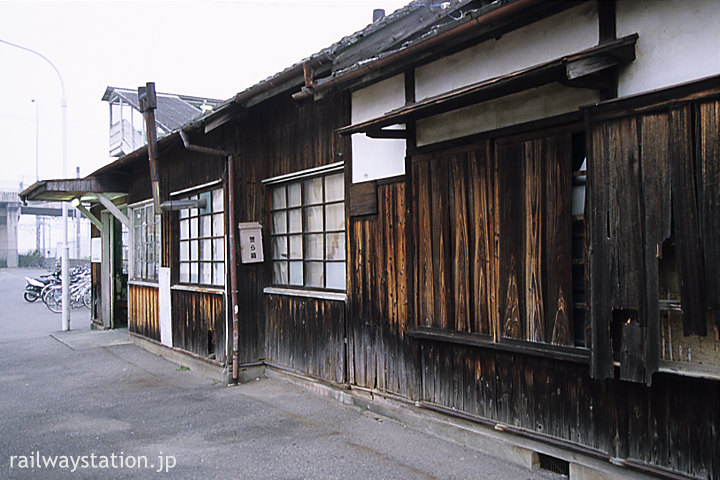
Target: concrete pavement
(99, 405)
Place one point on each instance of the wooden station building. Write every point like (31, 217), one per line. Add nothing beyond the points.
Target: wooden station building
(499, 211)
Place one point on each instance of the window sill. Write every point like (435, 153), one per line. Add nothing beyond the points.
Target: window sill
(319, 294)
(545, 350)
(143, 283)
(198, 289)
(710, 372)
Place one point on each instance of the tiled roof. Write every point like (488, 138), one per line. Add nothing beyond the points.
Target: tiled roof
(173, 111)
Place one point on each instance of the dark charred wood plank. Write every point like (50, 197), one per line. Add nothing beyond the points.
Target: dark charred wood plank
(691, 267)
(441, 245)
(601, 269)
(424, 258)
(363, 199)
(460, 239)
(708, 151)
(657, 205)
(532, 178)
(558, 232)
(511, 275)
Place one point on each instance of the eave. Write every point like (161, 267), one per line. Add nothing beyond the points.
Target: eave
(84, 189)
(586, 69)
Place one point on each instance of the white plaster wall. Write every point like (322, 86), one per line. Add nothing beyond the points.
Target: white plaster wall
(679, 41)
(526, 106)
(568, 32)
(377, 158)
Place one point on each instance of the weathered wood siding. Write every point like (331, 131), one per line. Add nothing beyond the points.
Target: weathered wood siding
(143, 317)
(653, 175)
(454, 213)
(198, 323)
(307, 336)
(488, 235)
(673, 424)
(492, 252)
(381, 356)
(282, 137)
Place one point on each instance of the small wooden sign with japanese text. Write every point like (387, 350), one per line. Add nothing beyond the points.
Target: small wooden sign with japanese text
(251, 245)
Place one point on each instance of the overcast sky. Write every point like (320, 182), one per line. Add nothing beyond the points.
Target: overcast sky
(209, 48)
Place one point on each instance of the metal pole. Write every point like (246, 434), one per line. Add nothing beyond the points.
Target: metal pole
(38, 220)
(64, 264)
(37, 140)
(77, 223)
(64, 259)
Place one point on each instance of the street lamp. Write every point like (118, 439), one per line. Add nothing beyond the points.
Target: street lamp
(37, 139)
(64, 254)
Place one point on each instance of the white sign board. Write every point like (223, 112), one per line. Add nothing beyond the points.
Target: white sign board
(251, 245)
(96, 250)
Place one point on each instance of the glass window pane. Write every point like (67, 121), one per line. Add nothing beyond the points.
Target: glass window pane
(184, 251)
(296, 247)
(152, 271)
(294, 198)
(278, 198)
(184, 213)
(206, 273)
(314, 219)
(335, 275)
(279, 222)
(218, 225)
(279, 248)
(138, 234)
(193, 228)
(295, 220)
(218, 274)
(335, 246)
(217, 200)
(218, 252)
(335, 216)
(296, 273)
(206, 249)
(334, 187)
(280, 273)
(185, 272)
(314, 275)
(193, 250)
(313, 191)
(314, 247)
(184, 229)
(205, 230)
(193, 273)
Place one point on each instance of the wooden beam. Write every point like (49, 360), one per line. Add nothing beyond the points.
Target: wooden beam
(387, 133)
(112, 208)
(89, 215)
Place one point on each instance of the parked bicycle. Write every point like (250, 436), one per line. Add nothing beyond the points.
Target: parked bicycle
(80, 291)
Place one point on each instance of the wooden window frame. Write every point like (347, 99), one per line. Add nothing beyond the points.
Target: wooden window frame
(300, 179)
(144, 246)
(217, 279)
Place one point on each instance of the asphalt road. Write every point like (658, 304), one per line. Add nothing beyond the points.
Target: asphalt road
(101, 407)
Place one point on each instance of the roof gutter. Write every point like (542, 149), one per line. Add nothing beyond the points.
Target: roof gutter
(495, 15)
